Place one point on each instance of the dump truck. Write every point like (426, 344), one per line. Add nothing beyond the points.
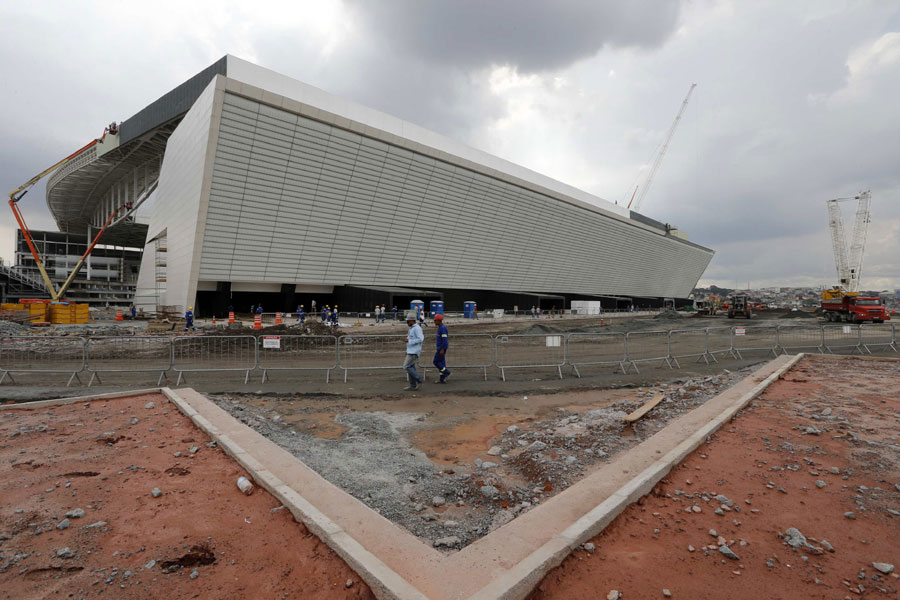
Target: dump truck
(839, 305)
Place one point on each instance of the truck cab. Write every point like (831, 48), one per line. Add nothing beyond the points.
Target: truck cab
(850, 307)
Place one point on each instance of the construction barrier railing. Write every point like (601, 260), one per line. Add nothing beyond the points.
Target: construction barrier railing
(647, 346)
(799, 338)
(128, 354)
(297, 353)
(42, 354)
(689, 343)
(104, 354)
(213, 353)
(370, 352)
(760, 339)
(595, 349)
(524, 350)
(467, 351)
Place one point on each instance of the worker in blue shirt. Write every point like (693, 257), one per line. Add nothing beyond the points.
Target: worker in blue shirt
(189, 319)
(133, 312)
(324, 312)
(301, 315)
(443, 344)
(259, 309)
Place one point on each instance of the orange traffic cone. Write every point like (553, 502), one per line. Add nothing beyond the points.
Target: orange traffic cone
(257, 321)
(278, 318)
(214, 319)
(119, 316)
(230, 317)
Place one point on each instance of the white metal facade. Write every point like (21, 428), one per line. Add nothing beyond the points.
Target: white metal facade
(257, 187)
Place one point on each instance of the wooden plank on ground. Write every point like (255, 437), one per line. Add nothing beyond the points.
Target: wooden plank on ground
(644, 409)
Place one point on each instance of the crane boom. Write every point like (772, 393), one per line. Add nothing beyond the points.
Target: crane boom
(662, 150)
(849, 264)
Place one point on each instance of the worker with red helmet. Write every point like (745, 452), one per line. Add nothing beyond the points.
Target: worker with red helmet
(443, 344)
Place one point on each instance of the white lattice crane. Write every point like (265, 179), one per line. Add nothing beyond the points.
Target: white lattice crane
(662, 153)
(849, 264)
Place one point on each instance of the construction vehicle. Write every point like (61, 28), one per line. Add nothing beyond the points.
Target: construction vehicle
(843, 302)
(662, 152)
(19, 192)
(739, 306)
(839, 305)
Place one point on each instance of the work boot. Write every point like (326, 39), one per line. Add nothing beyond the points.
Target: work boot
(445, 377)
(410, 388)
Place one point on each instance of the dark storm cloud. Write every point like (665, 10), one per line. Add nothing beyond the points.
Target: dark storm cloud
(533, 35)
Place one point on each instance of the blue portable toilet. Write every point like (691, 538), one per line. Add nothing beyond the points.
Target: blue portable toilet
(436, 307)
(417, 304)
(469, 309)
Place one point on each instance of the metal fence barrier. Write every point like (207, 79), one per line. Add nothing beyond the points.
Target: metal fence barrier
(719, 341)
(297, 353)
(128, 354)
(214, 353)
(841, 337)
(874, 336)
(763, 338)
(529, 350)
(595, 349)
(42, 354)
(793, 339)
(467, 351)
(689, 343)
(368, 352)
(646, 346)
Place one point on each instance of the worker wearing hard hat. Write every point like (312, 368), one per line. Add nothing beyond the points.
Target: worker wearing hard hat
(301, 315)
(414, 340)
(443, 344)
(189, 319)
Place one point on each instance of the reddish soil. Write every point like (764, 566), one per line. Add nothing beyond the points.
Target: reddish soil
(90, 456)
(769, 467)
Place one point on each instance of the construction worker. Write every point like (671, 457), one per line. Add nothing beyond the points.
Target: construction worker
(252, 306)
(324, 312)
(414, 339)
(394, 313)
(189, 319)
(383, 313)
(133, 312)
(420, 316)
(259, 309)
(443, 344)
(377, 314)
(334, 316)
(301, 315)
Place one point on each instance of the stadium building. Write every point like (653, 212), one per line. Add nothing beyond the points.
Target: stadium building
(249, 187)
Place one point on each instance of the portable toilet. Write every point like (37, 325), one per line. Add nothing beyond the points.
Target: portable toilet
(436, 307)
(469, 309)
(417, 304)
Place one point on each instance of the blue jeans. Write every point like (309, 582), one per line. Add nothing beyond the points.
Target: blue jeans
(412, 361)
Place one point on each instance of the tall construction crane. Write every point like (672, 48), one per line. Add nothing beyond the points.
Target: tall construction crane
(849, 265)
(16, 195)
(662, 153)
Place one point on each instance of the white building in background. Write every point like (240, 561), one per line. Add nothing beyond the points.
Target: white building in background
(261, 188)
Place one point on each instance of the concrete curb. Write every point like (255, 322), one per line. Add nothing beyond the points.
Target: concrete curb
(383, 581)
(76, 399)
(518, 581)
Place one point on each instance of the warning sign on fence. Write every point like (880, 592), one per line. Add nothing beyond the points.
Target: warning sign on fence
(554, 341)
(740, 331)
(272, 341)
(847, 328)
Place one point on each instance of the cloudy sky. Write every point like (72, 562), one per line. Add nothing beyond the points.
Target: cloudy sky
(796, 101)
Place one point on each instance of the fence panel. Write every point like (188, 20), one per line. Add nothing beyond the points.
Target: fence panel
(878, 336)
(646, 346)
(128, 354)
(42, 354)
(587, 349)
(214, 353)
(719, 341)
(689, 343)
(842, 339)
(467, 351)
(370, 352)
(761, 339)
(297, 353)
(793, 339)
(524, 350)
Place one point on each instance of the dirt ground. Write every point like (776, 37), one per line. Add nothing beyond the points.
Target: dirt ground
(451, 468)
(200, 538)
(818, 452)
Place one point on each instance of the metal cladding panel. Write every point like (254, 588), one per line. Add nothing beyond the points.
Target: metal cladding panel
(293, 199)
